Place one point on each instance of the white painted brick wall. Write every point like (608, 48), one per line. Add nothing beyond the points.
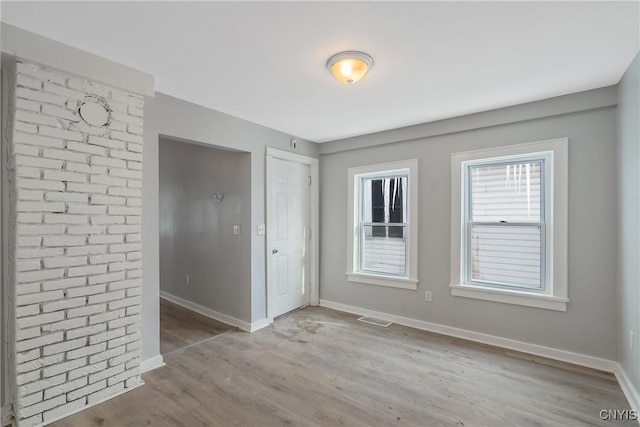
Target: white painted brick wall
(77, 244)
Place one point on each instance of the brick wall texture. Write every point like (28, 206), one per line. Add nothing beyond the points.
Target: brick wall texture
(75, 214)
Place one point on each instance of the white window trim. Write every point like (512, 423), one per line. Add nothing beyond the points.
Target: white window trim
(353, 275)
(555, 295)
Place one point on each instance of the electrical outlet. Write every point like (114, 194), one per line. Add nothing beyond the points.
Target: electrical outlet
(236, 230)
(261, 229)
(632, 341)
(427, 295)
(188, 279)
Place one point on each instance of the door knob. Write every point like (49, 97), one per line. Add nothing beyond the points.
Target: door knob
(274, 251)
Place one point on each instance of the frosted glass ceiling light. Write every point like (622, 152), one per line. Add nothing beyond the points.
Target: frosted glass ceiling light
(349, 67)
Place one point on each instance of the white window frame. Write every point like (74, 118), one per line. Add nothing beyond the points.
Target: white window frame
(355, 175)
(554, 296)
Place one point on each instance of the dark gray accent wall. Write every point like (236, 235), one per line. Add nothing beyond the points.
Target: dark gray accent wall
(196, 231)
(590, 323)
(628, 166)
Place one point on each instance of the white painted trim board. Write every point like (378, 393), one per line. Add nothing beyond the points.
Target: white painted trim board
(255, 326)
(151, 363)
(215, 315)
(628, 389)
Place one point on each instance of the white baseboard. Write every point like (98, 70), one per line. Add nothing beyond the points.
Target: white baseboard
(538, 350)
(260, 324)
(628, 389)
(7, 416)
(215, 315)
(151, 363)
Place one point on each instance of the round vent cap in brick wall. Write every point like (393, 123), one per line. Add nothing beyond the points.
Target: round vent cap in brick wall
(94, 112)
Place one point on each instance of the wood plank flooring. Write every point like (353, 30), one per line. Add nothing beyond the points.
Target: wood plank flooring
(318, 367)
(180, 327)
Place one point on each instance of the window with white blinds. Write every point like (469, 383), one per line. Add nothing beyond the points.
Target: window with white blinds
(506, 223)
(509, 224)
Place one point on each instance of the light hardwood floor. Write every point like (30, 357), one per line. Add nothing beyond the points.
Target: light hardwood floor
(318, 367)
(180, 327)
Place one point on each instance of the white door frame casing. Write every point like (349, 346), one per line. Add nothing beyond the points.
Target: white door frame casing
(314, 221)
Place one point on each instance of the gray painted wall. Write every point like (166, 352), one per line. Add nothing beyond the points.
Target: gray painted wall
(196, 231)
(589, 325)
(629, 218)
(180, 120)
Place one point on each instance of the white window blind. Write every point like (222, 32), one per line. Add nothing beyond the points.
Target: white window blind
(505, 224)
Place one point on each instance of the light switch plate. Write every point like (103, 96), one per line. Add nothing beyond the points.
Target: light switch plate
(236, 230)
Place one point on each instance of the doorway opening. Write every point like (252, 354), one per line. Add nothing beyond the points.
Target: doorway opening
(181, 328)
(205, 246)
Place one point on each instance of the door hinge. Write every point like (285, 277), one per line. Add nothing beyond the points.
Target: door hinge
(309, 179)
(309, 233)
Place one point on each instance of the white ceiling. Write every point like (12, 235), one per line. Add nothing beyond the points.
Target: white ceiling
(265, 61)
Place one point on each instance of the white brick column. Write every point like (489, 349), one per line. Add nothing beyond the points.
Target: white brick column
(76, 213)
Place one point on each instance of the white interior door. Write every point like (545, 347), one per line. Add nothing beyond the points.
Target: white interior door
(289, 228)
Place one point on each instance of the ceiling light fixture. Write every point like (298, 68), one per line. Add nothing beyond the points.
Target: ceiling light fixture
(349, 67)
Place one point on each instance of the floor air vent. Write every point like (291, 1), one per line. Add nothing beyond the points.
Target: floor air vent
(374, 321)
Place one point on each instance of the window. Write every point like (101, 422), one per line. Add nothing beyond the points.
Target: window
(505, 221)
(382, 242)
(509, 228)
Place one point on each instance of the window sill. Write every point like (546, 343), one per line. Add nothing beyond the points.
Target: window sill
(392, 282)
(547, 302)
